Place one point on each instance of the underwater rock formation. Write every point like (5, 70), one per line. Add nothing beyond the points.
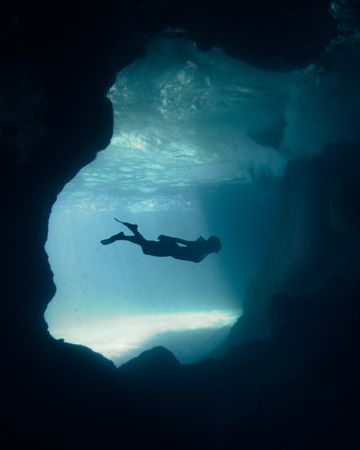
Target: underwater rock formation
(297, 389)
(317, 239)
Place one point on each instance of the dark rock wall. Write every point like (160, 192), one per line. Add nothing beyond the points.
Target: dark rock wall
(58, 60)
(318, 239)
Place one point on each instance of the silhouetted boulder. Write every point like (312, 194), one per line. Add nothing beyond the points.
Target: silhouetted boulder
(158, 360)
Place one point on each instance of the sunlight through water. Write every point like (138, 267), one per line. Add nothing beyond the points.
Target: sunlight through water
(102, 335)
(196, 151)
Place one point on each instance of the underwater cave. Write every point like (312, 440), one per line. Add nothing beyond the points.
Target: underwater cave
(200, 145)
(195, 151)
(234, 119)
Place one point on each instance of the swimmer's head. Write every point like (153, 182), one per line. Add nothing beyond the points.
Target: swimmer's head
(214, 244)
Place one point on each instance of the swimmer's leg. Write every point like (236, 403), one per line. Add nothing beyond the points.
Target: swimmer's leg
(132, 227)
(122, 237)
(116, 237)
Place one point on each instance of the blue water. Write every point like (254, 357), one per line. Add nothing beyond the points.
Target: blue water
(194, 152)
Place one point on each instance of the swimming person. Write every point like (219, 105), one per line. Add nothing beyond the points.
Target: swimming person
(194, 251)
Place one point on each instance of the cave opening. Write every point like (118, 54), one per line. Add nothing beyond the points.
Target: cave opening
(196, 150)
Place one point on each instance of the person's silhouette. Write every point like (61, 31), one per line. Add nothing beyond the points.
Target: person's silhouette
(194, 251)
